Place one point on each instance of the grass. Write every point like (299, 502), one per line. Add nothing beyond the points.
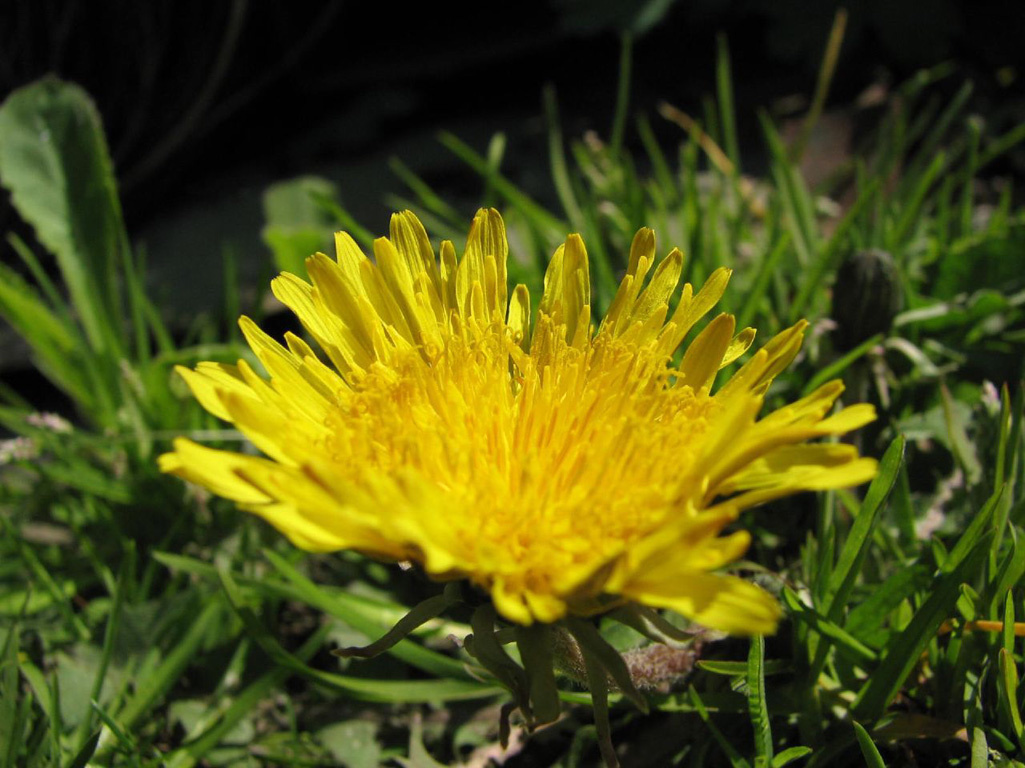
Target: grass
(145, 623)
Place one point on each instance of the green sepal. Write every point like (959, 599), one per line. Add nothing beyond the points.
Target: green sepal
(429, 609)
(598, 682)
(536, 653)
(597, 650)
(484, 646)
(651, 624)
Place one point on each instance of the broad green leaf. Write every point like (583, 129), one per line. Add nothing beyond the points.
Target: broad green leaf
(296, 222)
(55, 163)
(353, 743)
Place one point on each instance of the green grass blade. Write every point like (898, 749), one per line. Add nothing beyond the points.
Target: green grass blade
(394, 691)
(758, 709)
(495, 155)
(56, 343)
(1002, 145)
(852, 555)
(1008, 695)
(660, 167)
(724, 98)
(242, 704)
(42, 280)
(767, 267)
(152, 687)
(837, 367)
(349, 611)
(911, 214)
(1007, 417)
(85, 754)
(622, 94)
(868, 749)
(825, 78)
(968, 177)
(798, 209)
(903, 651)
(109, 635)
(557, 159)
(534, 213)
(976, 529)
(45, 579)
(845, 643)
(48, 700)
(788, 756)
(735, 758)
(427, 196)
(938, 128)
(866, 619)
(739, 669)
(826, 260)
(346, 220)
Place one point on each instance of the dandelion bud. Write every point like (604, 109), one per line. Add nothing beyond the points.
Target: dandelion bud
(866, 297)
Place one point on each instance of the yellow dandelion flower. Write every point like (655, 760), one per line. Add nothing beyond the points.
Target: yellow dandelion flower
(561, 467)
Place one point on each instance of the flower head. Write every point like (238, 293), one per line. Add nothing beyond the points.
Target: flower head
(561, 467)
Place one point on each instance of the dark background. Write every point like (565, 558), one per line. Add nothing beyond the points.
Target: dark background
(206, 103)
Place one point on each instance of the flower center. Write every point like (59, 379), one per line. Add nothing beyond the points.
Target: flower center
(552, 460)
